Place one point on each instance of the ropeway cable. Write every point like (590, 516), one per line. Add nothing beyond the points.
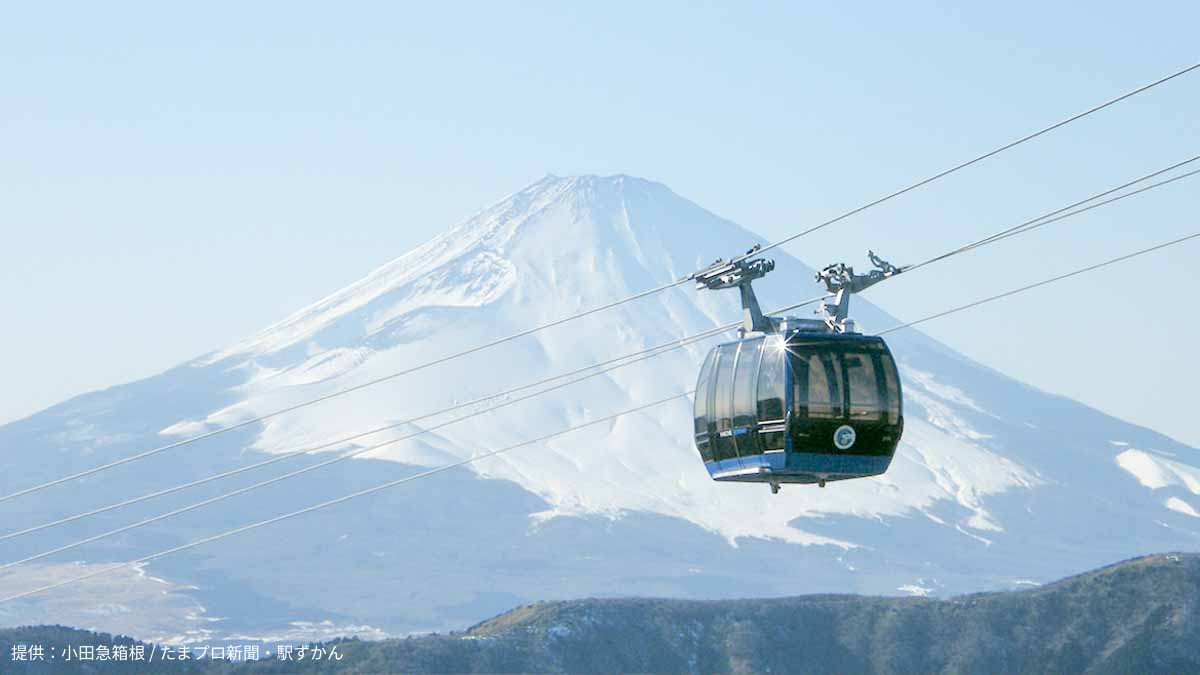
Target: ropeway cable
(261, 484)
(982, 157)
(636, 296)
(1082, 270)
(601, 367)
(1066, 212)
(339, 500)
(331, 395)
(1025, 226)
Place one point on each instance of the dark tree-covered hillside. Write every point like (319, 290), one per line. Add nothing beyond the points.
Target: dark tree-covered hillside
(1137, 616)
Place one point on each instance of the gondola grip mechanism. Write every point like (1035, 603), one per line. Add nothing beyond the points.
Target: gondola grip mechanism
(842, 282)
(740, 273)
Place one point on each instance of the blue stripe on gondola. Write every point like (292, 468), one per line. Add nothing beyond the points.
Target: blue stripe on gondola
(804, 463)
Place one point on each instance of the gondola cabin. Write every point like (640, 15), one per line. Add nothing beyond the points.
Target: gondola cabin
(797, 400)
(798, 407)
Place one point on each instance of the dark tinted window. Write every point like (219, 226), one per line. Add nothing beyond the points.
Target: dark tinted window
(772, 381)
(892, 383)
(861, 377)
(722, 403)
(744, 397)
(700, 415)
(822, 389)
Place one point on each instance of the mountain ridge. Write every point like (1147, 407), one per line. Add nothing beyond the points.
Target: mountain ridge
(1139, 615)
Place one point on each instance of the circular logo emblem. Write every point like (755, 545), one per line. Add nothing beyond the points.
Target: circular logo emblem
(844, 437)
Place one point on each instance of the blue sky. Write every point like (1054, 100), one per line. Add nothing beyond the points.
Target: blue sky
(175, 178)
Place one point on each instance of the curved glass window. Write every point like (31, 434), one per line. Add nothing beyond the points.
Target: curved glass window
(818, 385)
(892, 383)
(722, 403)
(744, 397)
(772, 381)
(700, 409)
(864, 387)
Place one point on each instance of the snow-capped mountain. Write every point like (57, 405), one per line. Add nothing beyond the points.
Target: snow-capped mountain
(995, 485)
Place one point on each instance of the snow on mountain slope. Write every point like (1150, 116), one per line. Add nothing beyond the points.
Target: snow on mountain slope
(555, 248)
(994, 483)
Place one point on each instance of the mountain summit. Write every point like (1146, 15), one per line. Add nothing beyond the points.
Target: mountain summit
(995, 485)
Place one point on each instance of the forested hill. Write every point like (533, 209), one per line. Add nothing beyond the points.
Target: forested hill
(1137, 616)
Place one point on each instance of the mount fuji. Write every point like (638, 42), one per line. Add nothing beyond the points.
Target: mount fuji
(995, 485)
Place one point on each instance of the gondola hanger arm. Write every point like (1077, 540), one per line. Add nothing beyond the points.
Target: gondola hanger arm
(840, 280)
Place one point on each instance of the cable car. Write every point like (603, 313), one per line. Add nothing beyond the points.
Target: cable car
(797, 400)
